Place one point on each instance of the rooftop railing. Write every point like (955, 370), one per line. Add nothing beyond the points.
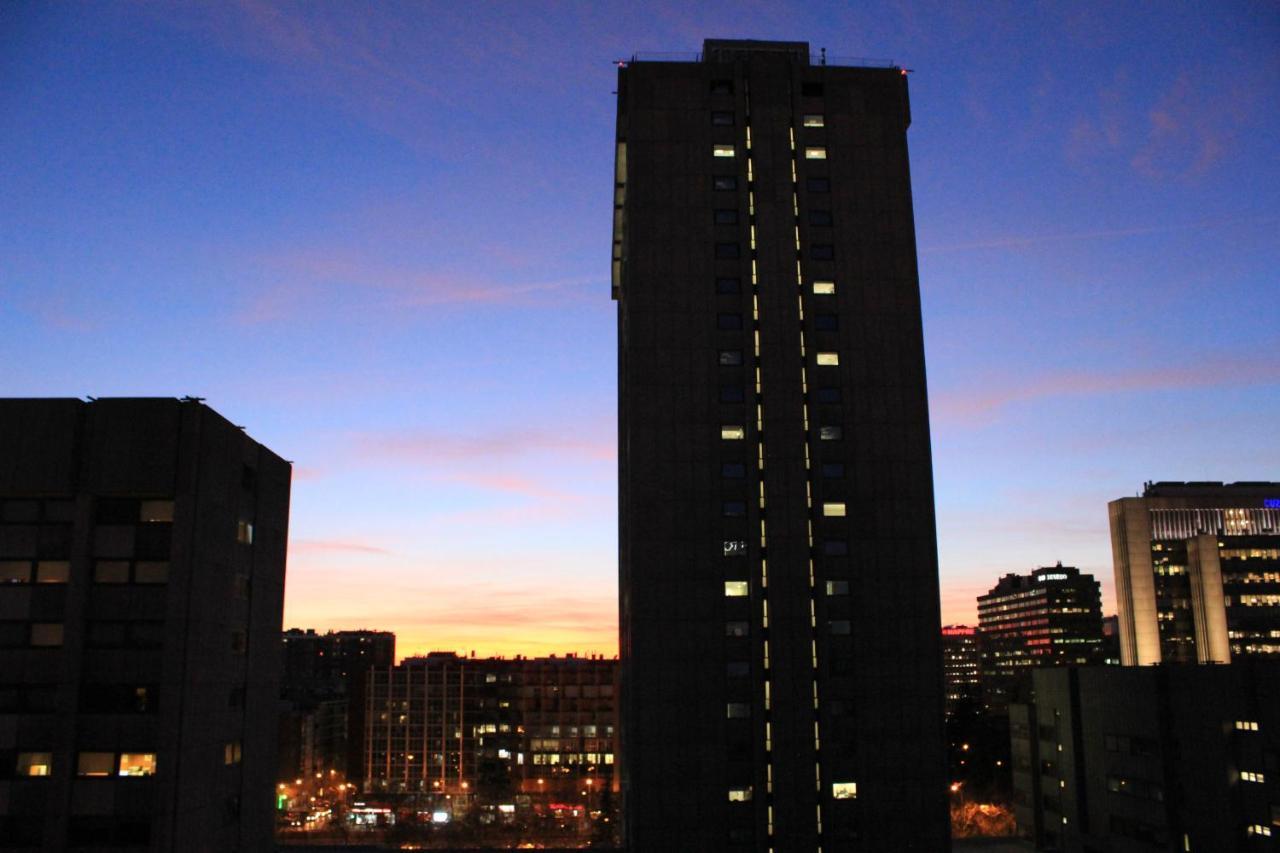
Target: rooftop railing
(817, 59)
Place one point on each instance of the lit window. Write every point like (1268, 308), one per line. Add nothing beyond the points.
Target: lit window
(231, 753)
(829, 359)
(824, 288)
(729, 322)
(722, 119)
(814, 120)
(735, 548)
(151, 572)
(1246, 725)
(1250, 776)
(137, 764)
(724, 182)
(15, 571)
(46, 634)
(95, 763)
(837, 587)
(730, 357)
(53, 571)
(156, 511)
(736, 629)
(110, 571)
(740, 795)
(839, 626)
(735, 589)
(1259, 829)
(735, 509)
(244, 532)
(813, 153)
(844, 791)
(733, 433)
(725, 217)
(34, 764)
(738, 710)
(722, 150)
(833, 509)
(830, 433)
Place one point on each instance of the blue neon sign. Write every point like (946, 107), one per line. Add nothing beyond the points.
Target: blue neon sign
(1271, 503)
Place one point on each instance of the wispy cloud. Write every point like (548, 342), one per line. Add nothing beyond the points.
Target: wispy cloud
(978, 405)
(427, 446)
(330, 546)
(1098, 234)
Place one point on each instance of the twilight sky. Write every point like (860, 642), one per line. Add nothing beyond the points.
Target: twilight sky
(378, 236)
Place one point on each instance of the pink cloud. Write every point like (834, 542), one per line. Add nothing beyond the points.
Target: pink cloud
(436, 447)
(1189, 129)
(969, 406)
(329, 546)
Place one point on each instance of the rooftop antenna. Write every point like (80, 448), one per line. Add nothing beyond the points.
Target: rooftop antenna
(824, 55)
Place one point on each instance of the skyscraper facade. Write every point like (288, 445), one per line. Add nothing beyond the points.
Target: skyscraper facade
(781, 669)
(961, 665)
(142, 554)
(1051, 617)
(1197, 570)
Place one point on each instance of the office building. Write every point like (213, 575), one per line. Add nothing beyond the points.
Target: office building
(1174, 758)
(1051, 617)
(1197, 571)
(142, 558)
(458, 731)
(322, 683)
(961, 665)
(782, 683)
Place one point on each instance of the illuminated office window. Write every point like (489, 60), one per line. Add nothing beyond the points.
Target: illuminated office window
(740, 795)
(137, 764)
(722, 150)
(34, 764)
(736, 589)
(95, 763)
(830, 433)
(814, 153)
(15, 571)
(844, 790)
(733, 433)
(833, 510)
(814, 120)
(837, 587)
(824, 288)
(735, 547)
(829, 359)
(244, 532)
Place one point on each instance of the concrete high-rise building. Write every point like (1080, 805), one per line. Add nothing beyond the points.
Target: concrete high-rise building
(142, 557)
(1177, 757)
(961, 665)
(1051, 617)
(1197, 570)
(782, 684)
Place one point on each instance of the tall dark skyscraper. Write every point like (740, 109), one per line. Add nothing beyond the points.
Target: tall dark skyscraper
(142, 553)
(781, 671)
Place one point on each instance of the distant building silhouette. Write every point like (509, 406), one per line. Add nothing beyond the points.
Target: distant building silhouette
(1051, 617)
(782, 682)
(1197, 570)
(142, 556)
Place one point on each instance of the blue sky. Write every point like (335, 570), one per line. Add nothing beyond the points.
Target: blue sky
(377, 235)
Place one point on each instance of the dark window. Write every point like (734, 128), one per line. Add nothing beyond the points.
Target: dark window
(735, 509)
(828, 395)
(821, 251)
(19, 511)
(728, 285)
(116, 511)
(739, 668)
(736, 629)
(826, 322)
(724, 182)
(722, 87)
(818, 185)
(104, 635)
(819, 217)
(722, 118)
(235, 699)
(830, 433)
(728, 322)
(833, 470)
(729, 251)
(811, 90)
(733, 470)
(726, 217)
(730, 357)
(732, 394)
(835, 547)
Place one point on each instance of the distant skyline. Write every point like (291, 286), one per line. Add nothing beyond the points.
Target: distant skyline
(377, 236)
